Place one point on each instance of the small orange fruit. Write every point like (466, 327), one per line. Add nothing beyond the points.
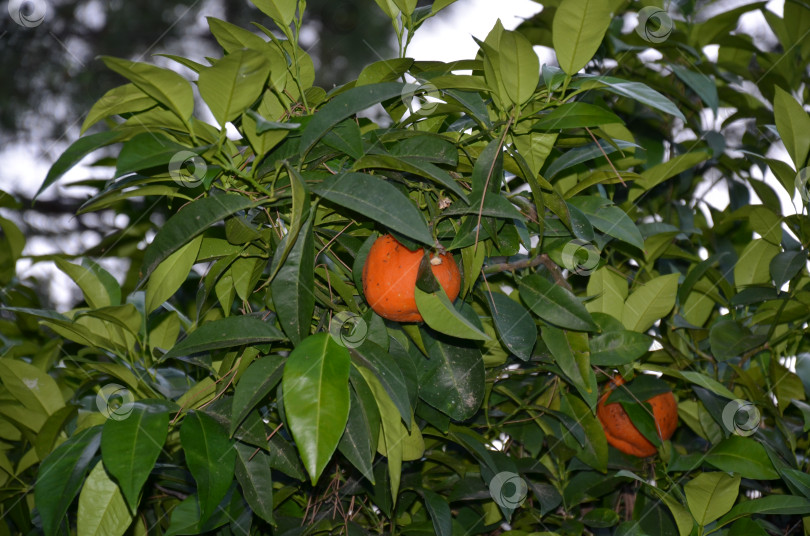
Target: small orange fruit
(620, 431)
(389, 278)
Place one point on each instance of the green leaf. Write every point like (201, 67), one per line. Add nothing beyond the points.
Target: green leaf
(32, 387)
(293, 286)
(754, 265)
(576, 115)
(253, 474)
(415, 165)
(710, 495)
(657, 174)
(729, 339)
(571, 357)
(383, 364)
(233, 83)
(636, 91)
(610, 289)
(375, 198)
(587, 152)
(555, 304)
(595, 449)
(170, 274)
(452, 379)
(774, 505)
(281, 11)
(578, 29)
(793, 125)
(701, 84)
(347, 138)
(299, 212)
(61, 475)
(519, 66)
(73, 154)
(225, 333)
(357, 443)
(439, 509)
(165, 86)
(609, 219)
(210, 456)
(117, 101)
(515, 326)
(130, 446)
(743, 455)
(260, 378)
(650, 302)
(439, 313)
(190, 221)
(231, 37)
(102, 509)
(616, 348)
(346, 105)
(383, 71)
(316, 398)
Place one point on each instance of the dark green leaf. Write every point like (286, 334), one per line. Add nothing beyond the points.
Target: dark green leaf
(253, 473)
(618, 347)
(452, 379)
(256, 382)
(514, 323)
(374, 198)
(210, 456)
(293, 288)
(225, 333)
(73, 154)
(316, 398)
(555, 304)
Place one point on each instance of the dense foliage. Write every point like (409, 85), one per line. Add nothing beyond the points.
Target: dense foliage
(236, 382)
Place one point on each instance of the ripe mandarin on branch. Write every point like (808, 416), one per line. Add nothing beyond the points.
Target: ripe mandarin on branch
(389, 278)
(620, 431)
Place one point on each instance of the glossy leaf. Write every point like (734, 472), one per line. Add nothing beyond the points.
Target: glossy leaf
(61, 475)
(192, 220)
(515, 326)
(33, 388)
(618, 347)
(210, 456)
(316, 398)
(375, 198)
(170, 274)
(225, 333)
(555, 304)
(452, 378)
(576, 115)
(519, 66)
(793, 125)
(357, 443)
(293, 286)
(73, 154)
(254, 476)
(439, 313)
(742, 455)
(130, 446)
(258, 380)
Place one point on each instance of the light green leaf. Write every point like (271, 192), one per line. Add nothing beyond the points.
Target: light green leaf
(793, 125)
(281, 11)
(710, 495)
(754, 264)
(577, 31)
(32, 387)
(102, 509)
(576, 115)
(316, 398)
(171, 274)
(233, 83)
(650, 302)
(163, 85)
(519, 66)
(742, 455)
(610, 289)
(439, 313)
(119, 100)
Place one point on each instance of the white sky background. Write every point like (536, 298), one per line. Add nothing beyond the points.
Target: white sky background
(446, 37)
